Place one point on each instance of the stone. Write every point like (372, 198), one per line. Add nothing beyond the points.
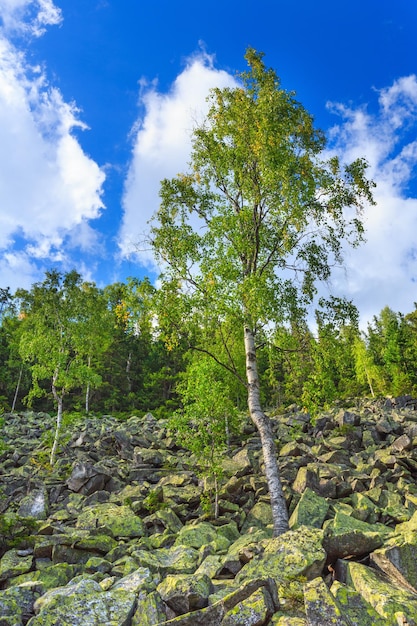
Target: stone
(347, 418)
(259, 516)
(213, 615)
(149, 610)
(84, 604)
(398, 559)
(311, 510)
(363, 508)
(306, 477)
(401, 444)
(185, 593)
(295, 553)
(164, 519)
(387, 599)
(198, 535)
(35, 505)
(321, 606)
(86, 479)
(255, 610)
(17, 603)
(355, 607)
(120, 521)
(347, 536)
(175, 560)
(12, 564)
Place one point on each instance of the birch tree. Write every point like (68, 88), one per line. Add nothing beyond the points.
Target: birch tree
(53, 339)
(244, 235)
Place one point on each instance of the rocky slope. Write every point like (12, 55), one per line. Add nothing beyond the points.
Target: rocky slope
(115, 534)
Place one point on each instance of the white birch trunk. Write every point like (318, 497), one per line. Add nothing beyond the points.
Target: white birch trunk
(60, 402)
(16, 393)
(87, 391)
(263, 424)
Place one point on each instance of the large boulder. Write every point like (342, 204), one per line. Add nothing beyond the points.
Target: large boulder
(84, 604)
(119, 521)
(184, 593)
(390, 601)
(295, 553)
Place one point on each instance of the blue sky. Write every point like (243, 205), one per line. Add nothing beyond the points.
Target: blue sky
(98, 97)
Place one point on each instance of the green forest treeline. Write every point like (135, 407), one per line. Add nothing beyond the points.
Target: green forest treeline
(106, 351)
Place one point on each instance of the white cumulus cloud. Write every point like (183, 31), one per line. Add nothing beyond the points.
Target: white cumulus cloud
(161, 145)
(49, 188)
(383, 271)
(28, 17)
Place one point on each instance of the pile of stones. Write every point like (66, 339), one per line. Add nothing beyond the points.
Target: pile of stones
(115, 533)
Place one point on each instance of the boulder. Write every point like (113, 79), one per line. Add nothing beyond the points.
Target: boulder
(321, 606)
(13, 563)
(389, 600)
(347, 536)
(295, 553)
(34, 505)
(354, 607)
(84, 604)
(86, 479)
(311, 510)
(119, 521)
(198, 535)
(255, 610)
(184, 593)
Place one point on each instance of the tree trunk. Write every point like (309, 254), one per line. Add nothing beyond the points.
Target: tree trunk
(369, 382)
(128, 367)
(16, 393)
(263, 424)
(60, 402)
(87, 391)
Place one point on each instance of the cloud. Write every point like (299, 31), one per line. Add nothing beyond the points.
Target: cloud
(383, 271)
(49, 188)
(28, 17)
(161, 145)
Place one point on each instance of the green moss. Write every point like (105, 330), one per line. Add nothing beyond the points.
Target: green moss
(293, 554)
(385, 598)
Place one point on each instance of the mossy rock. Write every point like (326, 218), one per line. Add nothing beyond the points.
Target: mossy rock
(84, 604)
(13, 564)
(311, 510)
(164, 519)
(140, 579)
(398, 558)
(293, 554)
(392, 505)
(184, 593)
(355, 607)
(321, 606)
(175, 560)
(260, 516)
(150, 610)
(387, 599)
(347, 536)
(257, 609)
(198, 535)
(364, 509)
(49, 577)
(18, 602)
(120, 521)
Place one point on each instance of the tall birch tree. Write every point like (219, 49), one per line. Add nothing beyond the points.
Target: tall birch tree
(57, 319)
(245, 234)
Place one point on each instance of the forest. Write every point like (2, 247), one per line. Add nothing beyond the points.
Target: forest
(114, 357)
